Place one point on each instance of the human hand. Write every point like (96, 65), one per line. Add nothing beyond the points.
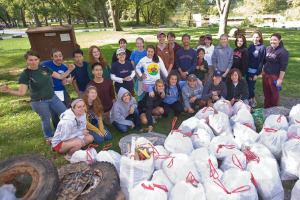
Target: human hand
(131, 110)
(71, 67)
(193, 99)
(144, 76)
(232, 101)
(128, 78)
(5, 89)
(202, 68)
(85, 132)
(197, 67)
(132, 126)
(151, 94)
(255, 77)
(199, 82)
(279, 81)
(183, 75)
(69, 80)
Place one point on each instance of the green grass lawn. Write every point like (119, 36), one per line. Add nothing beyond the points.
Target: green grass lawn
(20, 127)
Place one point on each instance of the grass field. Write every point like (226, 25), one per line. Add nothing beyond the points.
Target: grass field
(20, 127)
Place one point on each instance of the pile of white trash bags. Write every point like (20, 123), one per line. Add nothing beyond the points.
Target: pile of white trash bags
(216, 155)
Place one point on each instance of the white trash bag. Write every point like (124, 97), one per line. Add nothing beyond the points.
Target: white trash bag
(141, 170)
(290, 160)
(110, 156)
(258, 149)
(8, 192)
(88, 155)
(178, 166)
(294, 115)
(178, 143)
(236, 160)
(243, 117)
(267, 177)
(159, 177)
(216, 190)
(276, 122)
(205, 112)
(203, 125)
(189, 125)
(273, 140)
(240, 105)
(220, 124)
(187, 191)
(159, 150)
(244, 134)
(200, 138)
(147, 190)
(224, 106)
(294, 131)
(296, 191)
(222, 146)
(235, 178)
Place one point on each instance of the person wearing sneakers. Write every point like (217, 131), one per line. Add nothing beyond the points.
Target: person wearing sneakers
(214, 90)
(71, 133)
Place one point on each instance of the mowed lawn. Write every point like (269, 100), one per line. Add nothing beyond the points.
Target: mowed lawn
(20, 127)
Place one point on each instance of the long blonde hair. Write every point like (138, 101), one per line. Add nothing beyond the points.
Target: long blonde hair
(159, 81)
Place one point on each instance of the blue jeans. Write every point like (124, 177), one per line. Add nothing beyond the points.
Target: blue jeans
(124, 128)
(43, 108)
(55, 116)
(251, 85)
(98, 139)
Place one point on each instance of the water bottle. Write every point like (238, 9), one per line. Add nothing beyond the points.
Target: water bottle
(278, 87)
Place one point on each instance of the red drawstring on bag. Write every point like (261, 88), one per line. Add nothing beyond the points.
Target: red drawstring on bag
(237, 190)
(225, 146)
(189, 134)
(173, 124)
(212, 170)
(293, 136)
(162, 187)
(207, 109)
(191, 178)
(238, 100)
(107, 146)
(279, 118)
(270, 130)
(297, 121)
(250, 156)
(88, 155)
(248, 125)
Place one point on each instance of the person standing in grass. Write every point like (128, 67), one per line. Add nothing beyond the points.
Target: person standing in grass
(171, 40)
(257, 53)
(42, 96)
(122, 45)
(125, 107)
(94, 111)
(276, 61)
(80, 73)
(122, 72)
(71, 133)
(186, 58)
(105, 90)
(135, 58)
(164, 51)
(222, 57)
(56, 64)
(200, 42)
(95, 55)
(240, 55)
(202, 66)
(151, 106)
(209, 49)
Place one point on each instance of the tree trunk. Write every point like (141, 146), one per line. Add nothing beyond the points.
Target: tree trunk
(137, 12)
(69, 19)
(23, 17)
(83, 17)
(8, 17)
(6, 23)
(46, 20)
(97, 14)
(60, 20)
(37, 21)
(104, 14)
(115, 15)
(223, 8)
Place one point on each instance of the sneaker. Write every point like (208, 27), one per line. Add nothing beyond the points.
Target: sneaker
(153, 119)
(49, 140)
(67, 157)
(253, 103)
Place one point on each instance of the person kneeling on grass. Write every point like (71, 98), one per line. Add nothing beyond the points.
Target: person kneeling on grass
(191, 93)
(213, 90)
(124, 107)
(71, 133)
(149, 106)
(94, 111)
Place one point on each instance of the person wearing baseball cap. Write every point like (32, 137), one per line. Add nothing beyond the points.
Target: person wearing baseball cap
(186, 58)
(122, 72)
(165, 51)
(214, 90)
(191, 94)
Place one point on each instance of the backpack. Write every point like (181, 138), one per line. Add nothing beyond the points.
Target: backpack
(30, 79)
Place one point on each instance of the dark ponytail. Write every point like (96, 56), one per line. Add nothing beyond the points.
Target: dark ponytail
(155, 56)
(278, 36)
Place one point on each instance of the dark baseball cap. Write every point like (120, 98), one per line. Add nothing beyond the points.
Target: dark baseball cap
(192, 76)
(208, 36)
(218, 73)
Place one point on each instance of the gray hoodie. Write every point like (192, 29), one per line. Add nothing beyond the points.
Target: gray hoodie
(120, 109)
(69, 126)
(189, 92)
(222, 58)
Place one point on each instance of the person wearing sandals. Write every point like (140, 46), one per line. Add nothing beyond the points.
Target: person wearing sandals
(42, 96)
(149, 107)
(71, 133)
(94, 111)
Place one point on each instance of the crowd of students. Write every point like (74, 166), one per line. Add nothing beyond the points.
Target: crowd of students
(166, 76)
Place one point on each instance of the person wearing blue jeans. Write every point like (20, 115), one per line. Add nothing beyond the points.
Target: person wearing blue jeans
(94, 120)
(125, 107)
(42, 97)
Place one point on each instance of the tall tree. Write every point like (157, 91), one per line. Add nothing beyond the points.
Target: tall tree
(223, 8)
(114, 7)
(104, 13)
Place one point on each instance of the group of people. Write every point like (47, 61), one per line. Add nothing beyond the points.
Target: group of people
(166, 76)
